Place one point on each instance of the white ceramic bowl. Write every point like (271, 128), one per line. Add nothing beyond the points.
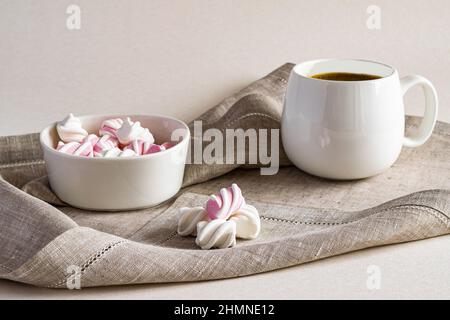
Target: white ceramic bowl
(118, 183)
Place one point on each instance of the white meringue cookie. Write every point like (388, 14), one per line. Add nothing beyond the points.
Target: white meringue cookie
(111, 153)
(248, 222)
(147, 136)
(116, 152)
(187, 225)
(110, 126)
(245, 223)
(127, 153)
(130, 131)
(218, 233)
(70, 129)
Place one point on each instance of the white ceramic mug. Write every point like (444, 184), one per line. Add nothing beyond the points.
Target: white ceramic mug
(350, 129)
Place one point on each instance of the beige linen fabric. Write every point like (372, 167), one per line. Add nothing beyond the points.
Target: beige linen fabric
(304, 218)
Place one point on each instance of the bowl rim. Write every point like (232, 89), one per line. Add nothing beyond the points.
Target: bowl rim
(185, 139)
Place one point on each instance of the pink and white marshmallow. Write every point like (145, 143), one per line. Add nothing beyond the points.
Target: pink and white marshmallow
(106, 142)
(92, 138)
(117, 152)
(167, 145)
(118, 138)
(110, 127)
(84, 149)
(222, 205)
(100, 144)
(70, 129)
(130, 131)
(154, 148)
(224, 218)
(142, 147)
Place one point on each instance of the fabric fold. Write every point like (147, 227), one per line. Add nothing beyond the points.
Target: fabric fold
(104, 259)
(27, 225)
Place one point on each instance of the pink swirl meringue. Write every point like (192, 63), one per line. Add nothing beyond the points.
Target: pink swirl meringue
(70, 129)
(68, 148)
(84, 149)
(100, 144)
(224, 218)
(106, 142)
(116, 152)
(228, 201)
(130, 131)
(139, 146)
(154, 148)
(92, 138)
(167, 145)
(142, 147)
(187, 225)
(110, 127)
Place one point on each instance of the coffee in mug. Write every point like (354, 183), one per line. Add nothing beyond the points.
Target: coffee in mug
(352, 125)
(345, 76)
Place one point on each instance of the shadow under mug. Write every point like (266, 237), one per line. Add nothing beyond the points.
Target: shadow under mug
(350, 129)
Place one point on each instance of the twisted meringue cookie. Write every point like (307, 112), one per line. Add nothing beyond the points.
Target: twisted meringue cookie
(115, 134)
(228, 200)
(110, 127)
(248, 222)
(105, 143)
(241, 220)
(142, 147)
(75, 148)
(130, 131)
(101, 144)
(218, 233)
(70, 129)
(117, 152)
(167, 145)
(187, 225)
(92, 138)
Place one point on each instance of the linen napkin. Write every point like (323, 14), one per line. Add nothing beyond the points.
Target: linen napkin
(44, 242)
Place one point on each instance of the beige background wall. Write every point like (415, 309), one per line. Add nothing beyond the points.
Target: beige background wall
(179, 57)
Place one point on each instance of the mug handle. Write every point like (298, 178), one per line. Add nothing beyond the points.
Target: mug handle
(431, 109)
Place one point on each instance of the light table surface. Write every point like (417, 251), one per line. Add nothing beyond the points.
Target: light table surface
(181, 57)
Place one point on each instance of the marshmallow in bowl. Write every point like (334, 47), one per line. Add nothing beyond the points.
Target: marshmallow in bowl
(92, 139)
(167, 145)
(110, 127)
(101, 144)
(70, 129)
(117, 138)
(130, 131)
(142, 147)
(116, 152)
(75, 148)
(104, 143)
